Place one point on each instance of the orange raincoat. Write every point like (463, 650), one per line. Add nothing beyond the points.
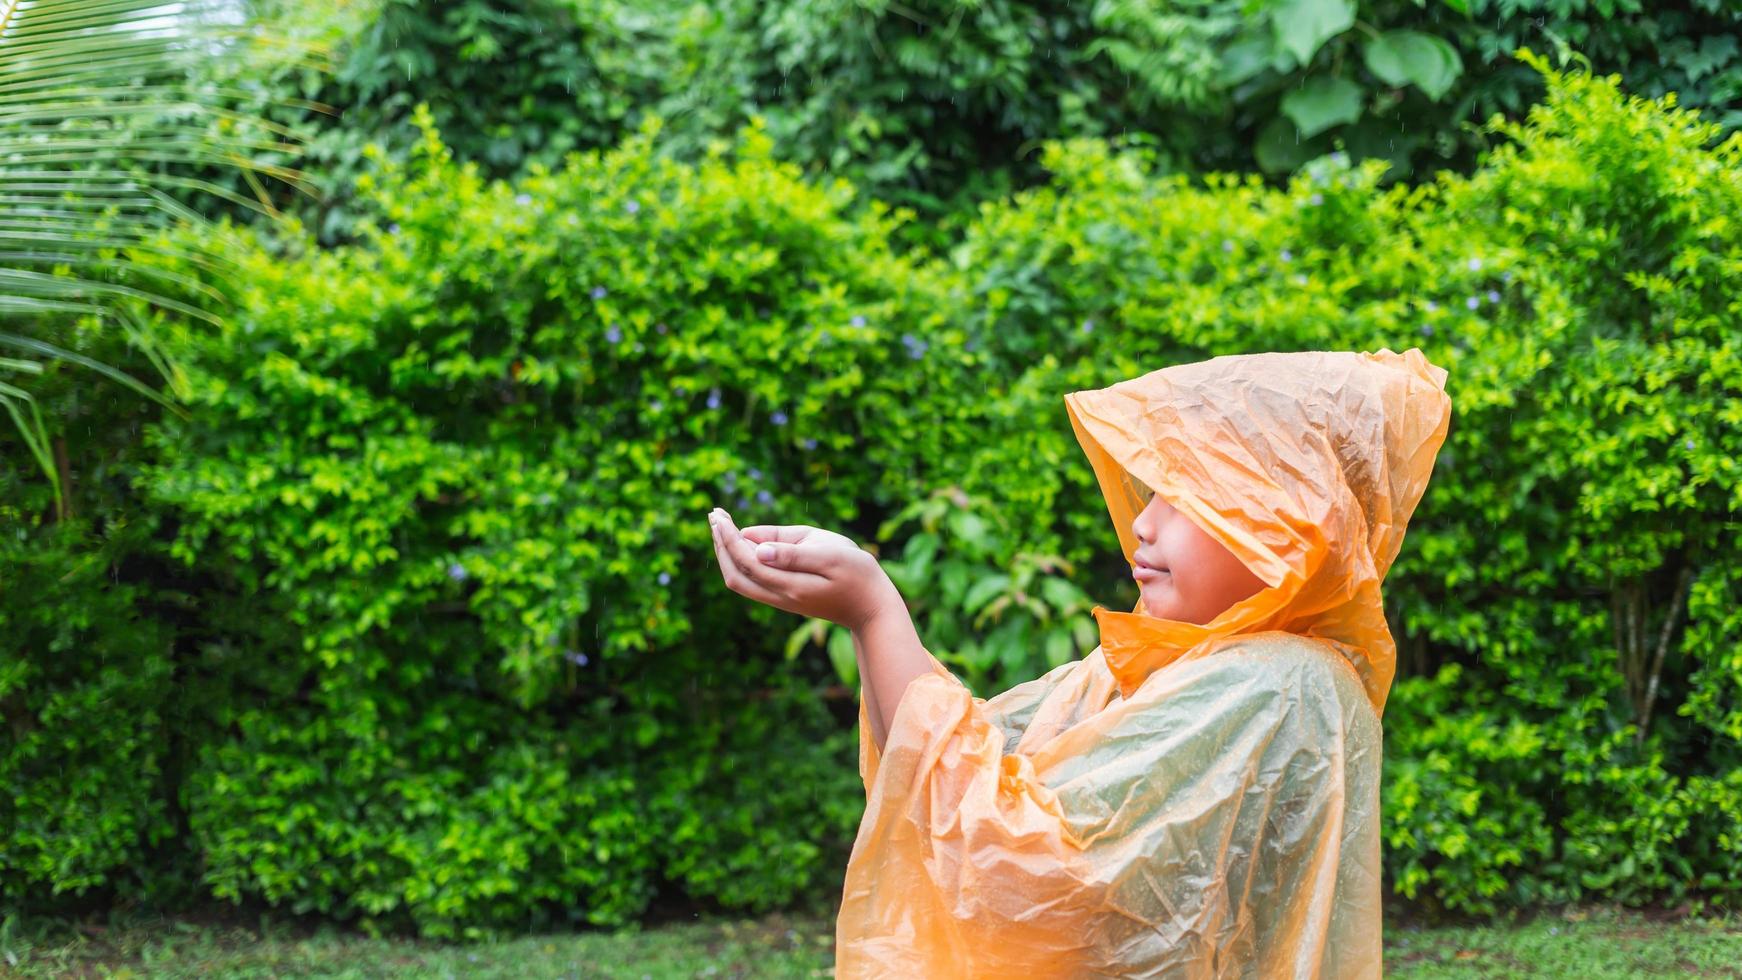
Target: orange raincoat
(1185, 801)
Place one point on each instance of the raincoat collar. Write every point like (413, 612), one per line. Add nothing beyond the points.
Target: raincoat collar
(1307, 466)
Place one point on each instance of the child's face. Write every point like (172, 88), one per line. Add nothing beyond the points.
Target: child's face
(1199, 577)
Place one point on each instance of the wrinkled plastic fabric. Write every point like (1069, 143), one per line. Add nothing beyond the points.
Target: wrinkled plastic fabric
(1187, 800)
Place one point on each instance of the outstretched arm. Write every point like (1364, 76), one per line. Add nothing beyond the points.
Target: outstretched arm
(892, 657)
(879, 731)
(813, 572)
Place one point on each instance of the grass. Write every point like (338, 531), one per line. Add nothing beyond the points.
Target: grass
(1583, 943)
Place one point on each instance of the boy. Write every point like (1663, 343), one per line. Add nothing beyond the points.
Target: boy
(1199, 796)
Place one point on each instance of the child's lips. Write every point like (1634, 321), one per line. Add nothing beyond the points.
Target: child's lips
(1147, 573)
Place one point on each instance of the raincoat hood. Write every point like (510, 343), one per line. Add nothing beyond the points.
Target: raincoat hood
(1306, 466)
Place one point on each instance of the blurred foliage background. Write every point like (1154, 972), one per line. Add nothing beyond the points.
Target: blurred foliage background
(390, 597)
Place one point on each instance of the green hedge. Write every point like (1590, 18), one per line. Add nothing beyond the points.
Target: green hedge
(468, 465)
(429, 540)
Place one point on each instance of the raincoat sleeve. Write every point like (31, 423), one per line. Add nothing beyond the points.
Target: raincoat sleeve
(1203, 821)
(1008, 712)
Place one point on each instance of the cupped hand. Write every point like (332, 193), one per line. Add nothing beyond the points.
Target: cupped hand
(801, 569)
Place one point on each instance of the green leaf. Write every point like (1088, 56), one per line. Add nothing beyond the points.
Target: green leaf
(1247, 57)
(1061, 594)
(984, 591)
(918, 555)
(971, 528)
(1322, 102)
(1059, 649)
(1413, 57)
(842, 656)
(811, 631)
(1085, 631)
(1302, 26)
(1012, 641)
(953, 581)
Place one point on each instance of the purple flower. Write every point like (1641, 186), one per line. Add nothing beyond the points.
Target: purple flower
(659, 327)
(523, 199)
(457, 572)
(1088, 326)
(1473, 302)
(1317, 198)
(1427, 330)
(916, 347)
(858, 321)
(656, 405)
(632, 207)
(1506, 276)
(755, 474)
(680, 391)
(1431, 305)
(778, 418)
(1493, 295)
(1689, 444)
(764, 497)
(575, 657)
(614, 333)
(972, 345)
(714, 398)
(599, 292)
(731, 482)
(664, 578)
(1227, 245)
(393, 229)
(1475, 263)
(809, 444)
(1287, 256)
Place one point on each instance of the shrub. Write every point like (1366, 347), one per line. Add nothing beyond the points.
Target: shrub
(465, 467)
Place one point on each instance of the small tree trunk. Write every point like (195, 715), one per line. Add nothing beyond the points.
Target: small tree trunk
(64, 467)
(1670, 622)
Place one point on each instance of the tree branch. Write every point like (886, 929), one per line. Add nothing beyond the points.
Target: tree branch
(1670, 622)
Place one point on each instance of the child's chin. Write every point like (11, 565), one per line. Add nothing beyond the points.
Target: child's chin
(1157, 608)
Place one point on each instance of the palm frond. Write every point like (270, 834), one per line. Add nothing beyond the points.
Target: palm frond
(103, 120)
